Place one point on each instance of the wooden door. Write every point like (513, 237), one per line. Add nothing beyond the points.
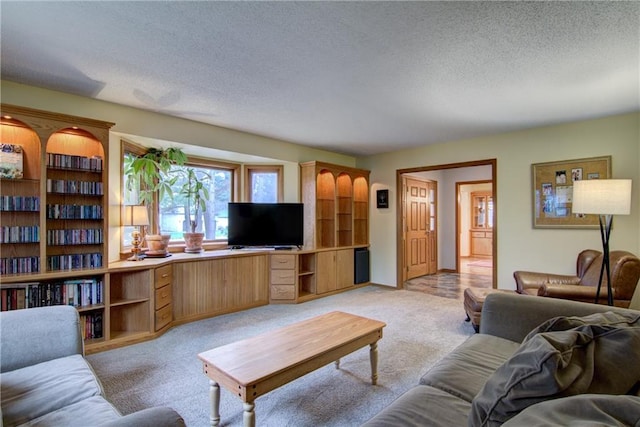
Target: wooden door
(326, 272)
(344, 268)
(420, 227)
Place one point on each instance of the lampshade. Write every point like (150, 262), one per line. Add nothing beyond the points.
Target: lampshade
(602, 197)
(135, 215)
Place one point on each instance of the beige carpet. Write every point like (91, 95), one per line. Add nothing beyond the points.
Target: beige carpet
(421, 328)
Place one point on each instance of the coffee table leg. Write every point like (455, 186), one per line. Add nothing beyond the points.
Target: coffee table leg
(214, 395)
(338, 364)
(249, 416)
(373, 355)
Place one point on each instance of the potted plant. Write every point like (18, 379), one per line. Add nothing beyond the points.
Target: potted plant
(196, 191)
(150, 174)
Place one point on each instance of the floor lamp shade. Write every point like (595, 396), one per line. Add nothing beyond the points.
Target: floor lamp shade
(605, 198)
(602, 197)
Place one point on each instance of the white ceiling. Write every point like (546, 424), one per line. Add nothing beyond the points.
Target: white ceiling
(354, 77)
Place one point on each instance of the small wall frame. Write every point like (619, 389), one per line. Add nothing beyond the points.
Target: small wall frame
(553, 191)
(382, 199)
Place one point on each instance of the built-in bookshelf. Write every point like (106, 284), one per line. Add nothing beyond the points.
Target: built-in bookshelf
(53, 212)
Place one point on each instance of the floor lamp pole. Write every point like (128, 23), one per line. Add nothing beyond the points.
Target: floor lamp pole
(605, 232)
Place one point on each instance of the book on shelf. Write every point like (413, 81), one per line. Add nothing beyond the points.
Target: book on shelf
(11, 161)
(75, 292)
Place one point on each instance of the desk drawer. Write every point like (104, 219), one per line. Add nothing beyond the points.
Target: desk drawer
(480, 234)
(163, 317)
(284, 292)
(283, 262)
(283, 277)
(164, 276)
(163, 296)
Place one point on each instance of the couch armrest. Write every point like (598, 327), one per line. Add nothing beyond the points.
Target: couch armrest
(572, 292)
(513, 316)
(531, 279)
(35, 335)
(151, 417)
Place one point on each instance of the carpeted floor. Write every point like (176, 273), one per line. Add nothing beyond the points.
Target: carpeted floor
(421, 328)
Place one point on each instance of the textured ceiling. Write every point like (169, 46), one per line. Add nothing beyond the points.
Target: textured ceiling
(353, 77)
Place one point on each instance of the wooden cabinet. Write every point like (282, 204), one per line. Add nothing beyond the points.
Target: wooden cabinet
(283, 277)
(216, 286)
(336, 205)
(130, 305)
(481, 233)
(163, 278)
(335, 270)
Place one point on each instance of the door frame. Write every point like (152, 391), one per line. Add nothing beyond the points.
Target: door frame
(459, 217)
(400, 259)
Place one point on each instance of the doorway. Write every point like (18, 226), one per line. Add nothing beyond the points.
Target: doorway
(446, 243)
(474, 226)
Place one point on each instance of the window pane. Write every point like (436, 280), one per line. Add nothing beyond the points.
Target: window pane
(175, 215)
(264, 187)
(130, 193)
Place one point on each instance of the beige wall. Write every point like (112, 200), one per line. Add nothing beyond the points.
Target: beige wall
(157, 129)
(520, 246)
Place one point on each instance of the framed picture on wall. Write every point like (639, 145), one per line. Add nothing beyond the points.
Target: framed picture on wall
(382, 199)
(553, 191)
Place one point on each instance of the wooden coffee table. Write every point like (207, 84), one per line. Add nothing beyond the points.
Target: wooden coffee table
(258, 365)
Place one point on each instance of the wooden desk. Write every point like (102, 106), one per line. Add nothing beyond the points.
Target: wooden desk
(257, 365)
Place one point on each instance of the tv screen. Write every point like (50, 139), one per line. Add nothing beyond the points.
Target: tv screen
(266, 224)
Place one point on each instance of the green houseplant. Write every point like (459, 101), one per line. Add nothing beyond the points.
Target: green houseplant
(196, 191)
(150, 174)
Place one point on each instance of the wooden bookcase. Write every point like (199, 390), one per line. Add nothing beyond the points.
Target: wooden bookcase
(336, 205)
(54, 216)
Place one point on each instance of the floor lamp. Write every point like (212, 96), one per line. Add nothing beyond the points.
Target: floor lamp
(136, 216)
(605, 198)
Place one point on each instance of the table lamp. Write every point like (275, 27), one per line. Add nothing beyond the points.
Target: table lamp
(136, 216)
(605, 198)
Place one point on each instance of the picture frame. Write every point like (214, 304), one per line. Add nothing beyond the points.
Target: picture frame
(382, 199)
(553, 191)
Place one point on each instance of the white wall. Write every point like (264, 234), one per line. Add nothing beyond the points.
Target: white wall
(520, 246)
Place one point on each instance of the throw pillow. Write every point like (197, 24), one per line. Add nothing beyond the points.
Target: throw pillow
(600, 355)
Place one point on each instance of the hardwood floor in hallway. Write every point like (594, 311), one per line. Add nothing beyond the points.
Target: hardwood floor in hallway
(474, 272)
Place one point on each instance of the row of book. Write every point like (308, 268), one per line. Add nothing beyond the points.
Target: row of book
(20, 265)
(56, 211)
(67, 161)
(20, 203)
(74, 292)
(91, 325)
(20, 234)
(88, 236)
(74, 261)
(89, 188)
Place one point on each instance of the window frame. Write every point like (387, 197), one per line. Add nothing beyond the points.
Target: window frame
(128, 147)
(248, 180)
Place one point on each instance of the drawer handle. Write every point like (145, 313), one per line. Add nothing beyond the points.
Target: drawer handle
(165, 275)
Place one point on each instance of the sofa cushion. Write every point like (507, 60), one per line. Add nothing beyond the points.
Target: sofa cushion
(548, 365)
(423, 406)
(464, 371)
(30, 392)
(94, 411)
(581, 410)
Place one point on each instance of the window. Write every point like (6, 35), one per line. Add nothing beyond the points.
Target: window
(264, 184)
(171, 214)
(174, 215)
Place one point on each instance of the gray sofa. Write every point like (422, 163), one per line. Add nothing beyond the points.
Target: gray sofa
(46, 381)
(536, 361)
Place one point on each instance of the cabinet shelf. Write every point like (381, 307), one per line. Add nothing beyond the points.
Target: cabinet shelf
(121, 302)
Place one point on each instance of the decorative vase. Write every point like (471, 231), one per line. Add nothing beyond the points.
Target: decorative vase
(157, 244)
(193, 242)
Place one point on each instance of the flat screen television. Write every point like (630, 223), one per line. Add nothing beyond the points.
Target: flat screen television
(277, 225)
